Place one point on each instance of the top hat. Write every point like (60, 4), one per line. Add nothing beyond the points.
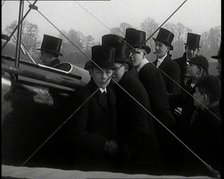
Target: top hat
(137, 39)
(193, 40)
(165, 36)
(103, 56)
(51, 44)
(122, 49)
(200, 61)
(218, 57)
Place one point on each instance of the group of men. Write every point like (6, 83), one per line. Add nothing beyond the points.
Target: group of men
(127, 114)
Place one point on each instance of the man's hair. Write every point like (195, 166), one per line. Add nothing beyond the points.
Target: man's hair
(211, 86)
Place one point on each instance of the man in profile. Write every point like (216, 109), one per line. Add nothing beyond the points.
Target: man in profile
(50, 50)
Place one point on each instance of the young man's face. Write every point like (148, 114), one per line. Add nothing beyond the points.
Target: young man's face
(101, 79)
(161, 49)
(136, 56)
(199, 99)
(191, 53)
(119, 72)
(192, 71)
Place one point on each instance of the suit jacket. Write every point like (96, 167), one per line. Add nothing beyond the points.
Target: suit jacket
(135, 125)
(171, 68)
(92, 125)
(182, 63)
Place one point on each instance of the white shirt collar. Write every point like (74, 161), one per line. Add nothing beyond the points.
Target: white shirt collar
(103, 90)
(160, 60)
(192, 85)
(144, 61)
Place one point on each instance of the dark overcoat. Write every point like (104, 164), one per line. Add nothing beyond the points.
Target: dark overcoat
(170, 68)
(91, 126)
(135, 125)
(154, 84)
(183, 99)
(182, 62)
(204, 138)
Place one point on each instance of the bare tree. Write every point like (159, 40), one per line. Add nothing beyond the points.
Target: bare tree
(29, 36)
(121, 29)
(77, 52)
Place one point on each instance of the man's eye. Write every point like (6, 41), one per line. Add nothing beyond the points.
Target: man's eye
(108, 72)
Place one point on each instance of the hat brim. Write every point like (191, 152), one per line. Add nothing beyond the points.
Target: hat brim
(146, 48)
(216, 57)
(171, 46)
(197, 46)
(50, 51)
(92, 65)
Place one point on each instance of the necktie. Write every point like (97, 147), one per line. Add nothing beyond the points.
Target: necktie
(158, 63)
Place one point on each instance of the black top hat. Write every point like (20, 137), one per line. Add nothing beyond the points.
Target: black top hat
(165, 36)
(200, 61)
(103, 56)
(51, 44)
(137, 39)
(193, 40)
(122, 49)
(218, 57)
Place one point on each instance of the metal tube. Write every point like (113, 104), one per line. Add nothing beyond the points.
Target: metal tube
(19, 33)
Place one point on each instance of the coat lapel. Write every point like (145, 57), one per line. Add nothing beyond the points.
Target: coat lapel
(163, 64)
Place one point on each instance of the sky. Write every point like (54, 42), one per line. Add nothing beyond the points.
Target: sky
(96, 18)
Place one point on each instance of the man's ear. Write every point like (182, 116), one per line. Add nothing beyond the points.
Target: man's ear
(126, 65)
(205, 97)
(199, 71)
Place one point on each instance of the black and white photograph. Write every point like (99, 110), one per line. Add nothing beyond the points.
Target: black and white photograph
(111, 89)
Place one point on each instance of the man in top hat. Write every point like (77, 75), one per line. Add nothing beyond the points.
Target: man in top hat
(154, 84)
(170, 69)
(135, 126)
(92, 130)
(50, 50)
(192, 48)
(218, 57)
